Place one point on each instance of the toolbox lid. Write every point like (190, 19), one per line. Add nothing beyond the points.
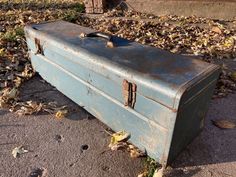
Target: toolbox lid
(159, 75)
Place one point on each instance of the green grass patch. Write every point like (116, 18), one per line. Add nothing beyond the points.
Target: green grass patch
(79, 7)
(9, 36)
(70, 16)
(73, 14)
(13, 34)
(150, 166)
(19, 31)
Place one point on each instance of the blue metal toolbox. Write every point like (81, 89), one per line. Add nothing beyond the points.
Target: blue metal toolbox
(159, 98)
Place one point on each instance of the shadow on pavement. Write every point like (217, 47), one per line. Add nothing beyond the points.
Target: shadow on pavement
(36, 89)
(182, 173)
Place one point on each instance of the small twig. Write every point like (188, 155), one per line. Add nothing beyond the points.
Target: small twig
(108, 132)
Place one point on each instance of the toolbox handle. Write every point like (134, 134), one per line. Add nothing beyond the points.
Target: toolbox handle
(106, 36)
(99, 34)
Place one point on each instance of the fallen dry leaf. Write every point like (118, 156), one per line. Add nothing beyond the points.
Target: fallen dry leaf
(216, 29)
(10, 93)
(143, 174)
(119, 141)
(229, 42)
(158, 172)
(119, 145)
(118, 137)
(61, 114)
(135, 152)
(224, 124)
(27, 108)
(18, 150)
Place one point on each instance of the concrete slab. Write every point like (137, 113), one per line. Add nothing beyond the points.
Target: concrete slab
(57, 145)
(63, 158)
(216, 9)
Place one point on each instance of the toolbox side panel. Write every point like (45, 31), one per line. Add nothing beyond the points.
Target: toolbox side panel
(191, 116)
(105, 82)
(108, 82)
(145, 133)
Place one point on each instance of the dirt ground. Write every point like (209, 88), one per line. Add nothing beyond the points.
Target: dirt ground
(59, 146)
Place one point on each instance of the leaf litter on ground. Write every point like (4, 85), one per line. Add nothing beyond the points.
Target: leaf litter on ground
(15, 66)
(151, 167)
(33, 107)
(119, 140)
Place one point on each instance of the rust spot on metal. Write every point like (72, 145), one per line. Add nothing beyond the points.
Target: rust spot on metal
(39, 47)
(125, 89)
(129, 93)
(133, 99)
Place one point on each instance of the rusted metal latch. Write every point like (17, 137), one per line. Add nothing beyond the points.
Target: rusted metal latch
(129, 93)
(39, 47)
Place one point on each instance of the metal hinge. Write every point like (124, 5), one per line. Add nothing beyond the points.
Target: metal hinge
(39, 47)
(129, 93)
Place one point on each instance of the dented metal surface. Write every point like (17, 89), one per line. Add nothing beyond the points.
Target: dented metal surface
(132, 87)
